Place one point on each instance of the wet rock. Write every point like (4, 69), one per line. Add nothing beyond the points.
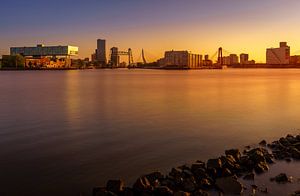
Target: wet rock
(142, 184)
(101, 191)
(205, 183)
(295, 153)
(200, 173)
(214, 164)
(281, 178)
(115, 186)
(163, 191)
(226, 172)
(196, 166)
(182, 193)
(235, 153)
(249, 176)
(296, 193)
(229, 185)
(200, 193)
(261, 167)
(127, 192)
(284, 142)
(154, 177)
(175, 172)
(189, 185)
(257, 155)
(169, 183)
(263, 143)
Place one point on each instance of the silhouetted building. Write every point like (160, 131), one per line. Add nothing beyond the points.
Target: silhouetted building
(101, 52)
(295, 60)
(244, 58)
(278, 56)
(115, 58)
(181, 59)
(232, 59)
(43, 51)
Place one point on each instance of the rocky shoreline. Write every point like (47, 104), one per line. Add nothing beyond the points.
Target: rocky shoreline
(220, 175)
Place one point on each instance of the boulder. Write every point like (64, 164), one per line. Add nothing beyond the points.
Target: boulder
(263, 143)
(196, 166)
(261, 167)
(229, 185)
(182, 193)
(142, 184)
(154, 177)
(163, 191)
(249, 176)
(115, 186)
(214, 164)
(200, 193)
(235, 153)
(200, 173)
(101, 191)
(281, 178)
(189, 185)
(295, 153)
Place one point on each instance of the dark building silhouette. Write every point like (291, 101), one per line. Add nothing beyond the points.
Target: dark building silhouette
(101, 51)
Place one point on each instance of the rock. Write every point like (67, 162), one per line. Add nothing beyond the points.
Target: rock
(284, 142)
(263, 143)
(226, 172)
(182, 193)
(200, 193)
(127, 192)
(101, 191)
(175, 172)
(295, 153)
(200, 173)
(214, 164)
(296, 193)
(261, 167)
(154, 177)
(249, 176)
(281, 178)
(257, 155)
(142, 184)
(205, 183)
(169, 183)
(189, 185)
(196, 166)
(235, 153)
(115, 186)
(163, 191)
(229, 185)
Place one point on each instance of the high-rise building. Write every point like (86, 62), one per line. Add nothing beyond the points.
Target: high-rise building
(244, 58)
(278, 56)
(101, 51)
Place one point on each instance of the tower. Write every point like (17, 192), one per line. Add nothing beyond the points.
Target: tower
(101, 51)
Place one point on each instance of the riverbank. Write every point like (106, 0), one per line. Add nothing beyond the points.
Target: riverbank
(233, 173)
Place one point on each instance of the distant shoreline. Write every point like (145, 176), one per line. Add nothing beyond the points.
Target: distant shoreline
(254, 66)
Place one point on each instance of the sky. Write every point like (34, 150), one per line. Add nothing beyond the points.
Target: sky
(199, 26)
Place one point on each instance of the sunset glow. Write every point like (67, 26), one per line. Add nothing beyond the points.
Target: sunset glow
(198, 26)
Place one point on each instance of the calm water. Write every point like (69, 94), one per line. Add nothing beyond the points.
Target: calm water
(64, 132)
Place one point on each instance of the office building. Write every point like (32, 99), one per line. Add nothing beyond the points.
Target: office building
(101, 52)
(244, 58)
(46, 56)
(232, 59)
(278, 56)
(44, 51)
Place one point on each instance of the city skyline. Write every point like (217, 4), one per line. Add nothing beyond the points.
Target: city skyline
(197, 26)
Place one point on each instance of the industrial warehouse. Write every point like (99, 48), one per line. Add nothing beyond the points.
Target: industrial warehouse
(46, 56)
